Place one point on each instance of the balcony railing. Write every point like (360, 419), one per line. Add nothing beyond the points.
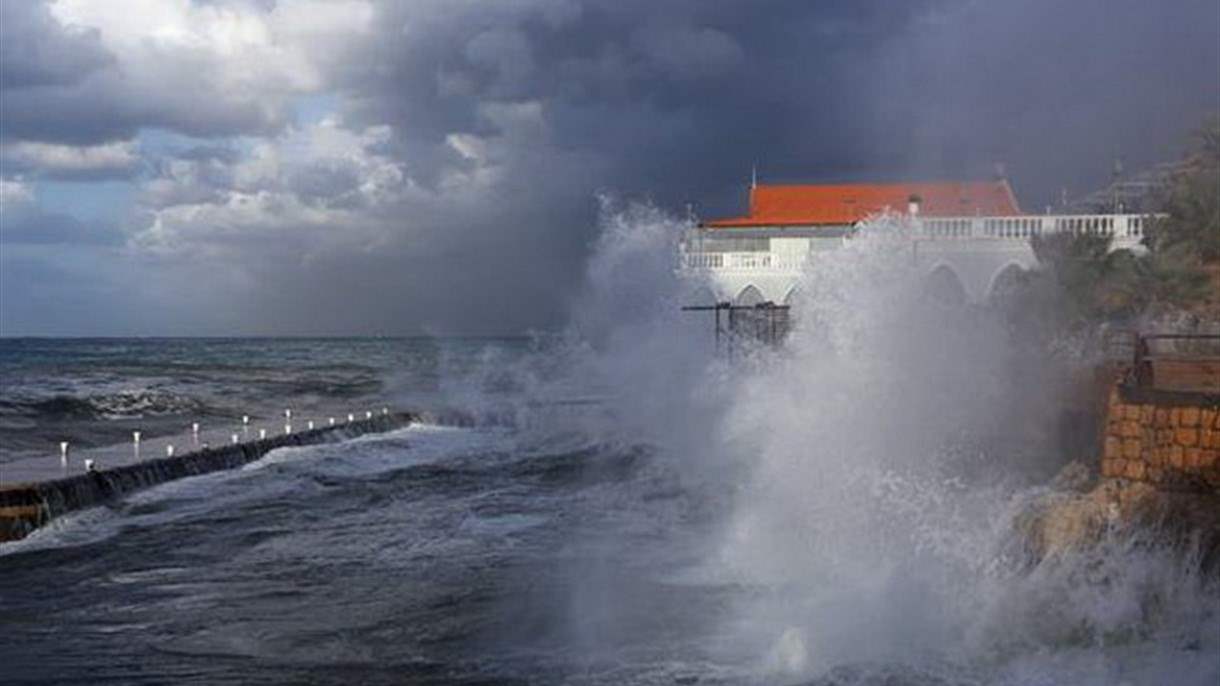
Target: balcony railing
(751, 261)
(1125, 230)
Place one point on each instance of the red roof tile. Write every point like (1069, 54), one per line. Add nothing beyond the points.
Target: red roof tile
(849, 203)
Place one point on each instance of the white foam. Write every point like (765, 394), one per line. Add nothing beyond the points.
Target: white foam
(851, 513)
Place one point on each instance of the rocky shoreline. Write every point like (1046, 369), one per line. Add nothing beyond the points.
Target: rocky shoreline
(1158, 472)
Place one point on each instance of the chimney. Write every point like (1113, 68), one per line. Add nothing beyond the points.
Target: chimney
(753, 187)
(913, 203)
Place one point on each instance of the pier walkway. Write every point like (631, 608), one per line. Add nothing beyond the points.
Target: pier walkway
(36, 490)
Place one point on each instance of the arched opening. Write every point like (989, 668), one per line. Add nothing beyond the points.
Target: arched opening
(1006, 283)
(786, 318)
(944, 286)
(749, 296)
(760, 325)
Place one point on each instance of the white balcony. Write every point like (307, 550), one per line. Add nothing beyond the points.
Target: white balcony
(1126, 230)
(976, 249)
(744, 261)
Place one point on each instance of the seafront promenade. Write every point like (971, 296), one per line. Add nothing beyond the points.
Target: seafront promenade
(52, 465)
(36, 490)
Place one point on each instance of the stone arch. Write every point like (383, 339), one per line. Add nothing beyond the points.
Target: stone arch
(1004, 280)
(945, 286)
(750, 295)
(794, 294)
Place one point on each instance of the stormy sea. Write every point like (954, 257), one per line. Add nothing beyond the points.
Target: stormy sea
(620, 502)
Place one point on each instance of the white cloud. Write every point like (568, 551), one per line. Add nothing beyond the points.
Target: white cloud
(238, 48)
(203, 69)
(119, 158)
(14, 193)
(310, 188)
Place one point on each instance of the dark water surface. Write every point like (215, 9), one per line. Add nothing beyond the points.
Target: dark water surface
(95, 392)
(543, 527)
(431, 555)
(436, 554)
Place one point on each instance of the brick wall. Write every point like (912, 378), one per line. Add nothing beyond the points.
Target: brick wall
(1171, 440)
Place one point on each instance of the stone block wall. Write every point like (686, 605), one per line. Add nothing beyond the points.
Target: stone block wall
(1170, 440)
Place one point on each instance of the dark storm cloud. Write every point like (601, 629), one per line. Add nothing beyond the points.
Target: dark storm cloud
(680, 100)
(1055, 91)
(35, 50)
(455, 190)
(101, 109)
(676, 103)
(61, 85)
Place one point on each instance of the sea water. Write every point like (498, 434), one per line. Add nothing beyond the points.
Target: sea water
(616, 504)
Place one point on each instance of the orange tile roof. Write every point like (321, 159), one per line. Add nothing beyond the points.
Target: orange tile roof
(837, 204)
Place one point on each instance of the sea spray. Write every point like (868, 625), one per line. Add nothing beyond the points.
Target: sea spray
(875, 467)
(865, 481)
(846, 509)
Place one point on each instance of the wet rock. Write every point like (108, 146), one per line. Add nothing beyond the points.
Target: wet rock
(1076, 476)
(1062, 522)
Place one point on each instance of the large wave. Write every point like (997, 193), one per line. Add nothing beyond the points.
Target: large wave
(877, 464)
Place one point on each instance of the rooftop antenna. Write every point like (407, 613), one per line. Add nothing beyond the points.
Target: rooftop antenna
(754, 176)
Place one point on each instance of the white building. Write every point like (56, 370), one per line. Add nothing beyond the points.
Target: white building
(964, 234)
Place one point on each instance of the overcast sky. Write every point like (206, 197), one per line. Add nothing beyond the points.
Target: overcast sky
(432, 166)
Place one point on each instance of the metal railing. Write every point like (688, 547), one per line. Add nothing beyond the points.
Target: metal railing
(763, 322)
(1179, 362)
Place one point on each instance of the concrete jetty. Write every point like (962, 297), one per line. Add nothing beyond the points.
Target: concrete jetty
(27, 506)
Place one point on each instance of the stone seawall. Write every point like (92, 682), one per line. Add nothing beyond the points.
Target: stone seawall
(1168, 439)
(25, 507)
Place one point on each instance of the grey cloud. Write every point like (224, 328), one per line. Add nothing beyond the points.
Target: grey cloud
(119, 160)
(689, 52)
(29, 225)
(36, 51)
(555, 100)
(62, 85)
(1056, 92)
(507, 54)
(102, 108)
(219, 153)
(331, 183)
(675, 102)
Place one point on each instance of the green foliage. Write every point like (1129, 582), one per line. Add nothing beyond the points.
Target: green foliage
(1082, 283)
(1191, 201)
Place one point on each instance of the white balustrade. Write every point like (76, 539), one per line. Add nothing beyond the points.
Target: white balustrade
(1126, 231)
(744, 261)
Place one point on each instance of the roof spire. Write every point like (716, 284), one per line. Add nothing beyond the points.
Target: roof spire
(754, 176)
